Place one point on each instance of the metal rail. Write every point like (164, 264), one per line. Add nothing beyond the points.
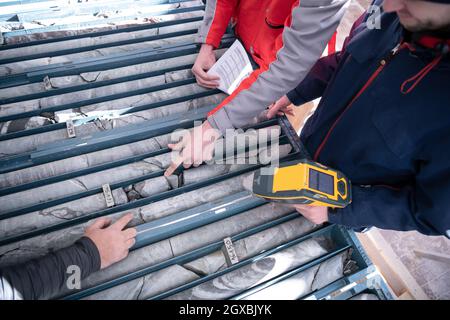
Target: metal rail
(25, 2)
(181, 259)
(142, 27)
(90, 192)
(77, 173)
(98, 168)
(62, 52)
(367, 279)
(58, 9)
(38, 74)
(291, 273)
(87, 102)
(62, 125)
(190, 219)
(92, 85)
(241, 263)
(163, 228)
(98, 21)
(19, 2)
(102, 140)
(132, 205)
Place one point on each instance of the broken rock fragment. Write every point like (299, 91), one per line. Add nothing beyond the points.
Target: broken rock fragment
(247, 276)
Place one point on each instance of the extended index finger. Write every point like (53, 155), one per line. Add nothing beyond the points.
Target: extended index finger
(271, 113)
(173, 166)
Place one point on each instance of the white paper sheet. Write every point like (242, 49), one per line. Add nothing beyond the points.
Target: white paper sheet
(233, 67)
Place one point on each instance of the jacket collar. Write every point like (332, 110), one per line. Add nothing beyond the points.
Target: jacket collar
(380, 40)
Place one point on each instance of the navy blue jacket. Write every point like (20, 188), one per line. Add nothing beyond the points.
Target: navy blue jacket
(393, 146)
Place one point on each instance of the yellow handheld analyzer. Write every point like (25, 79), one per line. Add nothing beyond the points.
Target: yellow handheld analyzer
(303, 182)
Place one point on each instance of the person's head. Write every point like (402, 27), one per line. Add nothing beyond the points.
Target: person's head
(421, 15)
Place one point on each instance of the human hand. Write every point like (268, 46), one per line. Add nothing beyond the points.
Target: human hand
(195, 147)
(205, 60)
(282, 106)
(113, 243)
(315, 214)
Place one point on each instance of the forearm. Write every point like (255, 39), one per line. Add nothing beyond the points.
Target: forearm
(43, 278)
(313, 23)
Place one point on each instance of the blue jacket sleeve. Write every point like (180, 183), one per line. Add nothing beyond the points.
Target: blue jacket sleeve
(314, 84)
(423, 206)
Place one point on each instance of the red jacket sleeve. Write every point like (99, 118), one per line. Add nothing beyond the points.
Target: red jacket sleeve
(315, 83)
(218, 14)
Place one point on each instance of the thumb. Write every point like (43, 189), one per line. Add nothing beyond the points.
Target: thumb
(273, 110)
(285, 100)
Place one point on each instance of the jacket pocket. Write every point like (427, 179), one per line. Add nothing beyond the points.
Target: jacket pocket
(392, 125)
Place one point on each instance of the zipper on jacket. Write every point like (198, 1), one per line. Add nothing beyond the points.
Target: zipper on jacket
(381, 66)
